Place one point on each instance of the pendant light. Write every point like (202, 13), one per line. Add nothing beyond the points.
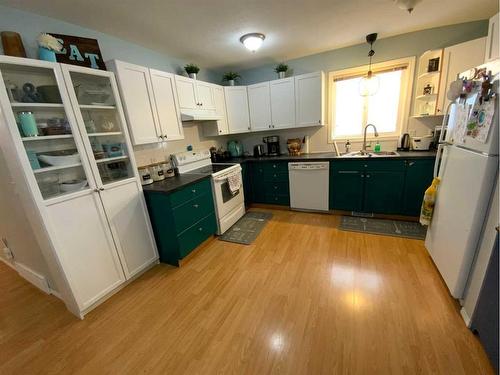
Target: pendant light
(369, 84)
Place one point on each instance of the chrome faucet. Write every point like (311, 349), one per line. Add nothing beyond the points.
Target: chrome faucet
(363, 150)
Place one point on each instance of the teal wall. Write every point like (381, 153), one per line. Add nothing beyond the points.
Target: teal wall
(29, 25)
(410, 44)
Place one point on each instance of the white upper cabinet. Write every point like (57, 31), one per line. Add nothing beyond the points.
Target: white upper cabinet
(186, 92)
(492, 52)
(456, 60)
(194, 94)
(220, 127)
(309, 99)
(238, 117)
(166, 105)
(259, 104)
(283, 103)
(205, 95)
(137, 96)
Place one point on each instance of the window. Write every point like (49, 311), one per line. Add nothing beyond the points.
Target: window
(388, 109)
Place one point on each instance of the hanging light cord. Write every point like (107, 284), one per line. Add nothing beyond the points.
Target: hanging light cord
(370, 55)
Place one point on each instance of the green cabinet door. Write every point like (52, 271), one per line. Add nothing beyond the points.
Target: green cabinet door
(419, 175)
(346, 189)
(246, 173)
(258, 183)
(383, 191)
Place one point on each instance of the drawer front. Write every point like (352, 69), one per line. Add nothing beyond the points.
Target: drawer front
(347, 165)
(196, 234)
(190, 192)
(275, 176)
(278, 166)
(192, 211)
(385, 165)
(279, 187)
(281, 199)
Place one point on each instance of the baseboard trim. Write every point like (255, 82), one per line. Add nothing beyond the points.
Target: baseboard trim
(34, 278)
(465, 317)
(10, 264)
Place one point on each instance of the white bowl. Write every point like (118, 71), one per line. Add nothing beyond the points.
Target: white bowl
(72, 185)
(61, 160)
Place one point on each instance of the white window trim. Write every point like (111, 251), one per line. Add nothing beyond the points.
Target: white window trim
(406, 95)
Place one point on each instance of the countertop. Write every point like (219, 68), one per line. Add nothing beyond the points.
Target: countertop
(172, 184)
(169, 185)
(331, 155)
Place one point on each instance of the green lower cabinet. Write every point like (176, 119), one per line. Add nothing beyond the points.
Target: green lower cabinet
(181, 220)
(383, 192)
(269, 182)
(246, 175)
(419, 174)
(346, 189)
(379, 186)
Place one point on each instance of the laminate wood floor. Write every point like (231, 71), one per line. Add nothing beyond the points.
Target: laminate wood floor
(305, 298)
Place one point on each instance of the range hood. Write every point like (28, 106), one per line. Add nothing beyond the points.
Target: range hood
(193, 115)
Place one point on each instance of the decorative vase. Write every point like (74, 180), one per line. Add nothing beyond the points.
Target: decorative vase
(281, 74)
(230, 82)
(46, 54)
(192, 75)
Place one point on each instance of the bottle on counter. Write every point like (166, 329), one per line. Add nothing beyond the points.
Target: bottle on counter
(348, 147)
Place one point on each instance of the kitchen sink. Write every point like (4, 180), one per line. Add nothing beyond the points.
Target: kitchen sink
(370, 154)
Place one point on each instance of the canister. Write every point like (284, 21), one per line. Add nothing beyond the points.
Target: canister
(28, 124)
(157, 172)
(145, 175)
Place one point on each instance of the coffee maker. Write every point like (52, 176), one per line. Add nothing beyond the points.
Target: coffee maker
(273, 145)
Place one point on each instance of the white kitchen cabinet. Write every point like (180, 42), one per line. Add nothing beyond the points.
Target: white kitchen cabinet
(259, 105)
(137, 94)
(238, 117)
(85, 248)
(127, 215)
(94, 229)
(194, 95)
(283, 103)
(168, 116)
(492, 42)
(309, 99)
(205, 95)
(220, 127)
(456, 60)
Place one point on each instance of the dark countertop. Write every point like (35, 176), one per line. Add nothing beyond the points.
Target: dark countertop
(331, 155)
(169, 185)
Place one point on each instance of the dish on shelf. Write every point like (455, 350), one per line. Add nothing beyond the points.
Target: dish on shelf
(88, 96)
(72, 185)
(49, 93)
(60, 158)
(113, 149)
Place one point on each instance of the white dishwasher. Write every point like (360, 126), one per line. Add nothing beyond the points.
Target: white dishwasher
(309, 185)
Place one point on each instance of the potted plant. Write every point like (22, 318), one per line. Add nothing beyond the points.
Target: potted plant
(230, 77)
(47, 47)
(192, 70)
(281, 70)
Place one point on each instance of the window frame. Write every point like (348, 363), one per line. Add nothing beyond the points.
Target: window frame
(406, 95)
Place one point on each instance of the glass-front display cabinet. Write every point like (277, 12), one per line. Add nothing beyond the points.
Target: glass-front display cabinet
(101, 123)
(46, 126)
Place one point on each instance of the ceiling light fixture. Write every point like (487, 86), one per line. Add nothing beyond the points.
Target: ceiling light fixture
(369, 84)
(252, 41)
(408, 5)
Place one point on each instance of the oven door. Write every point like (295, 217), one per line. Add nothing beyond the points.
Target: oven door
(225, 201)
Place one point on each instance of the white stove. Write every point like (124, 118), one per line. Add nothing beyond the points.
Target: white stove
(229, 205)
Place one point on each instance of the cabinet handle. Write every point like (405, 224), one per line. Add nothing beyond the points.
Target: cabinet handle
(101, 189)
(361, 175)
(193, 191)
(410, 163)
(367, 176)
(319, 121)
(249, 128)
(274, 165)
(275, 187)
(96, 190)
(195, 206)
(165, 136)
(220, 131)
(366, 165)
(200, 229)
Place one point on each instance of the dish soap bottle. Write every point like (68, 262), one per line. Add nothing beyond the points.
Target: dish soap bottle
(428, 202)
(377, 147)
(347, 147)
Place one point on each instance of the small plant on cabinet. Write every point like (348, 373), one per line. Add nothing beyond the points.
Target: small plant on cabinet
(230, 77)
(281, 69)
(192, 70)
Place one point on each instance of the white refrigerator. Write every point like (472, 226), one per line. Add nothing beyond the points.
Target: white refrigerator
(467, 165)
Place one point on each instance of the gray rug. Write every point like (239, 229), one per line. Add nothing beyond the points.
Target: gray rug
(247, 229)
(408, 229)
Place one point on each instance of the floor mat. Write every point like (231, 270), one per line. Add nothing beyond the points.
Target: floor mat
(408, 229)
(247, 229)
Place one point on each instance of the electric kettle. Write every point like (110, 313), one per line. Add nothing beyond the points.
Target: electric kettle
(404, 142)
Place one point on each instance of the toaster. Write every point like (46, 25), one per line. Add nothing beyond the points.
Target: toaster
(422, 143)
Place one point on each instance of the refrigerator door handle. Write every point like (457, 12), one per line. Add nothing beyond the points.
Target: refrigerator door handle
(439, 154)
(444, 124)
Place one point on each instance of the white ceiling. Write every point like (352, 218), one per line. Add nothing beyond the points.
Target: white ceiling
(207, 31)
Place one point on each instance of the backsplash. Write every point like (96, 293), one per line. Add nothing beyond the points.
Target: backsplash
(193, 135)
